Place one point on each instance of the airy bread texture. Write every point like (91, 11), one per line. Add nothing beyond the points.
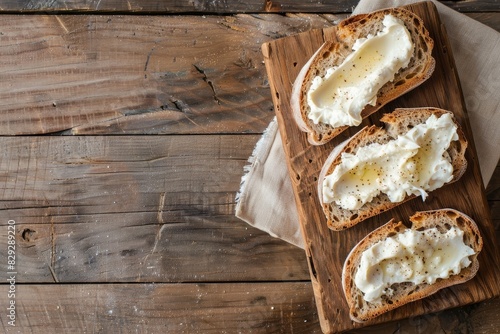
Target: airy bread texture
(396, 123)
(333, 53)
(361, 311)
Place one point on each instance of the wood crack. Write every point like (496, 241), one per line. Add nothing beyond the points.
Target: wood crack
(183, 107)
(159, 218)
(53, 250)
(161, 205)
(161, 226)
(61, 23)
(148, 57)
(209, 82)
(53, 273)
(227, 23)
(161, 223)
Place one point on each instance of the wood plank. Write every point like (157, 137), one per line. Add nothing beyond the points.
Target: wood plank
(187, 176)
(473, 5)
(138, 74)
(161, 308)
(136, 248)
(106, 74)
(135, 209)
(326, 250)
(217, 6)
(203, 308)
(171, 6)
(491, 19)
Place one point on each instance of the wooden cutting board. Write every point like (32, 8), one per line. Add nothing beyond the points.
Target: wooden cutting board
(326, 250)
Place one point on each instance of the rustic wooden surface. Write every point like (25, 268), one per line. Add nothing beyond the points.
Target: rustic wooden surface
(210, 6)
(325, 250)
(124, 135)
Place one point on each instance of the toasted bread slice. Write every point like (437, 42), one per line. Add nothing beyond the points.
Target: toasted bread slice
(333, 53)
(398, 122)
(403, 293)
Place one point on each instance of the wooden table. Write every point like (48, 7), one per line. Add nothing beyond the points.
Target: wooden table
(125, 127)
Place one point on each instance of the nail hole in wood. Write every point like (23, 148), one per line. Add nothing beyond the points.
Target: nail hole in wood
(28, 234)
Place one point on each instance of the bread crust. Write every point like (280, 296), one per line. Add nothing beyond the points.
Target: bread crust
(333, 53)
(360, 310)
(397, 122)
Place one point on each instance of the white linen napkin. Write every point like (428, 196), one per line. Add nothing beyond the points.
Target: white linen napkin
(266, 199)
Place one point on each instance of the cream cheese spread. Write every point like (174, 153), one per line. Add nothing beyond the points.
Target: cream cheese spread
(339, 97)
(412, 164)
(411, 256)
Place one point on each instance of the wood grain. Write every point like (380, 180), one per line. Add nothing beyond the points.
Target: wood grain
(111, 247)
(326, 249)
(171, 247)
(163, 308)
(135, 209)
(205, 6)
(206, 308)
(93, 74)
(138, 74)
